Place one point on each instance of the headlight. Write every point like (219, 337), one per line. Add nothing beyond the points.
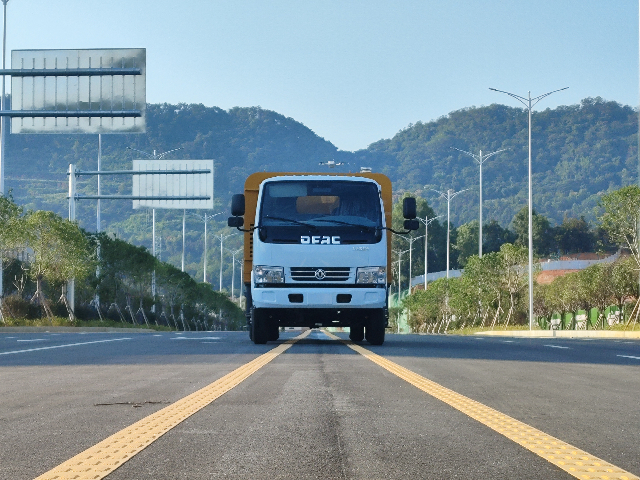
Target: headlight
(376, 275)
(263, 274)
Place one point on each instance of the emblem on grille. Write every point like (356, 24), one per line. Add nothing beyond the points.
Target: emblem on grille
(320, 274)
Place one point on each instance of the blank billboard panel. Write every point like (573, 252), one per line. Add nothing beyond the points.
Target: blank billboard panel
(173, 184)
(87, 83)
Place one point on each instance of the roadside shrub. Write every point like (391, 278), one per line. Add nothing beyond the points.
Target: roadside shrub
(17, 307)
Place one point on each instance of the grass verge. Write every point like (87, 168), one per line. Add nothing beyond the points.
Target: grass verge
(64, 322)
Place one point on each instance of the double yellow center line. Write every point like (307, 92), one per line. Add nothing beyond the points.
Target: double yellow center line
(100, 460)
(577, 462)
(103, 458)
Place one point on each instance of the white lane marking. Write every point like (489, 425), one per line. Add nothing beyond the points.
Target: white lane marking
(9, 337)
(63, 346)
(33, 340)
(210, 342)
(555, 346)
(157, 335)
(628, 356)
(196, 338)
(507, 341)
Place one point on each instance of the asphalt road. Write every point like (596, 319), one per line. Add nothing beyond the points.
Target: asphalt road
(318, 410)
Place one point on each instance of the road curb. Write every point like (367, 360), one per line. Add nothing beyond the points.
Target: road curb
(74, 330)
(562, 334)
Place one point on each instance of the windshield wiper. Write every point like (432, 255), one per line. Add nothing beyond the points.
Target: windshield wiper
(291, 220)
(339, 222)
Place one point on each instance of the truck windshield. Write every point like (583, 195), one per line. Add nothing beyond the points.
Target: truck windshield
(350, 209)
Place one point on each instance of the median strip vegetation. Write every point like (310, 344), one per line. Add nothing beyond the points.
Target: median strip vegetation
(41, 252)
(492, 293)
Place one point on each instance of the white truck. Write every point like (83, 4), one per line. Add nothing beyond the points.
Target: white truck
(317, 251)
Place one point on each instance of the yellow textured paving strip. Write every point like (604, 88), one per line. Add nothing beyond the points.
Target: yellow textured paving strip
(577, 462)
(103, 458)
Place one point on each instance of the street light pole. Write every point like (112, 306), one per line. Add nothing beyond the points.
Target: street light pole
(184, 217)
(399, 254)
(449, 195)
(480, 160)
(410, 240)
(222, 237)
(233, 269)
(3, 119)
(426, 222)
(529, 103)
(205, 218)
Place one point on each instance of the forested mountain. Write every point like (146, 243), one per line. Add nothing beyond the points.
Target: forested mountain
(579, 152)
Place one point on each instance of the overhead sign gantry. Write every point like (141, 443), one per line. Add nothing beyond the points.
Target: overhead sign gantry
(77, 91)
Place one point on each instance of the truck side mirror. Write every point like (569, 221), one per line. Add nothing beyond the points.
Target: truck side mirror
(409, 208)
(236, 222)
(411, 224)
(237, 205)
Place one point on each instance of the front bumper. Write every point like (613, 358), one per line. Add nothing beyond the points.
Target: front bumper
(325, 297)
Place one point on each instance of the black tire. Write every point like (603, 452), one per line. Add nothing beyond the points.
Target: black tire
(274, 330)
(356, 333)
(374, 331)
(259, 327)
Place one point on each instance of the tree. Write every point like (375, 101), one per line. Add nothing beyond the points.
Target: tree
(427, 307)
(11, 228)
(485, 274)
(623, 281)
(514, 276)
(467, 241)
(621, 216)
(436, 243)
(11, 233)
(494, 236)
(574, 235)
(60, 253)
(543, 242)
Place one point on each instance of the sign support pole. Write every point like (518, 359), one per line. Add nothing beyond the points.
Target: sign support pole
(71, 284)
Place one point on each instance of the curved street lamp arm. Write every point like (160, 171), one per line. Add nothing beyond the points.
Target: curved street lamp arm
(455, 194)
(522, 100)
(442, 194)
(163, 154)
(472, 155)
(428, 221)
(484, 157)
(140, 151)
(540, 97)
(477, 157)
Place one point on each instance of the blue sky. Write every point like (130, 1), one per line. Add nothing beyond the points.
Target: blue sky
(354, 71)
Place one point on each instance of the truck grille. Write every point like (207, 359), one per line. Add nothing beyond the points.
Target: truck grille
(320, 274)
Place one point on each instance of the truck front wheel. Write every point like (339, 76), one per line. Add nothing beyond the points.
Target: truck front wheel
(356, 333)
(374, 331)
(259, 331)
(274, 330)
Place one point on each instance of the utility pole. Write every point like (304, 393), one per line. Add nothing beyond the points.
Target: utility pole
(3, 119)
(205, 218)
(529, 103)
(426, 222)
(449, 195)
(480, 160)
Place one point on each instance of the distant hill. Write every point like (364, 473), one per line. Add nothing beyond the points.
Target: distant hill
(579, 152)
